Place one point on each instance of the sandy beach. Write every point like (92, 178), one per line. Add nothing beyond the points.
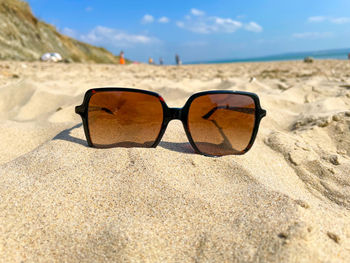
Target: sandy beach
(286, 200)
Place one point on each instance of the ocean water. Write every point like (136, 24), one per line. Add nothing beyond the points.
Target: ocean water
(327, 54)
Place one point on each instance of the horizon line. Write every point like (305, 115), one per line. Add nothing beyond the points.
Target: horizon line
(292, 55)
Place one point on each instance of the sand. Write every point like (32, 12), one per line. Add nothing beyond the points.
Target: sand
(286, 200)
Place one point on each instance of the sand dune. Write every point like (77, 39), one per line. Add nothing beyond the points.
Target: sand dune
(286, 200)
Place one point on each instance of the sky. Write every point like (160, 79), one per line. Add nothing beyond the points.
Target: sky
(201, 30)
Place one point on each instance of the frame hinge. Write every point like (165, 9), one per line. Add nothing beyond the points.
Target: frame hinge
(79, 109)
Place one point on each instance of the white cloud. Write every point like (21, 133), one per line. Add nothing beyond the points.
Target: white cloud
(225, 25)
(316, 19)
(203, 24)
(207, 25)
(197, 12)
(109, 36)
(254, 27)
(180, 24)
(340, 20)
(163, 20)
(312, 35)
(147, 19)
(69, 32)
(333, 20)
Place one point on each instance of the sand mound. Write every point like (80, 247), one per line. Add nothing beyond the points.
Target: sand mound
(41, 105)
(20, 138)
(315, 167)
(142, 207)
(287, 200)
(13, 97)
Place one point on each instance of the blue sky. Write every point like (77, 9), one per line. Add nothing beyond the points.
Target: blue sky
(201, 30)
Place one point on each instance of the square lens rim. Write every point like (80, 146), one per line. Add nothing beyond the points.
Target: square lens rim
(259, 114)
(82, 110)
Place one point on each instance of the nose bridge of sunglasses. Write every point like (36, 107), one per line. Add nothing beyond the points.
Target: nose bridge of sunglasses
(174, 114)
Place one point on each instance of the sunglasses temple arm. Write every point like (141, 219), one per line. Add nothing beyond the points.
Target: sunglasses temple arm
(226, 141)
(96, 108)
(239, 109)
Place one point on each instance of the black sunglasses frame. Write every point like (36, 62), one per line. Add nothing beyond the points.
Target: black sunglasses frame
(172, 113)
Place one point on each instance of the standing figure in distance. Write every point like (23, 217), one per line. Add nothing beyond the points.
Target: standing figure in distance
(121, 58)
(177, 59)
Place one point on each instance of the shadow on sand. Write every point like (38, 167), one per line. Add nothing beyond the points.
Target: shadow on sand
(181, 147)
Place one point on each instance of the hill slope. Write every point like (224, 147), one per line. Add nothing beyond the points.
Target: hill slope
(24, 37)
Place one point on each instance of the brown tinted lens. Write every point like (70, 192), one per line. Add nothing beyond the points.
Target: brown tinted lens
(221, 124)
(124, 118)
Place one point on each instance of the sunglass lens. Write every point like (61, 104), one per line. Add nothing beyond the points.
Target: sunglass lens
(221, 124)
(124, 119)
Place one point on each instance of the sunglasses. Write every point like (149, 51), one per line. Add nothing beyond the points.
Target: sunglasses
(216, 122)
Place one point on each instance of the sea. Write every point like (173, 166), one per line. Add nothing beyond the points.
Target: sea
(341, 54)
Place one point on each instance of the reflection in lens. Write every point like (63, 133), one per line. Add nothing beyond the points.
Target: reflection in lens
(124, 119)
(221, 124)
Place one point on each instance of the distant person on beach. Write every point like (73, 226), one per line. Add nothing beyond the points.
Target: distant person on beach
(161, 62)
(177, 59)
(121, 58)
(349, 56)
(150, 61)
